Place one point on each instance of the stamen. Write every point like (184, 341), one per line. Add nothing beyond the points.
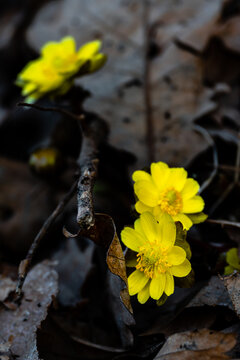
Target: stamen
(171, 201)
(152, 260)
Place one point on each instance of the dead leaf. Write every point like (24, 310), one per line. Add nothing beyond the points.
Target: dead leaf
(200, 345)
(5, 353)
(175, 85)
(73, 265)
(103, 233)
(21, 324)
(213, 294)
(6, 286)
(232, 283)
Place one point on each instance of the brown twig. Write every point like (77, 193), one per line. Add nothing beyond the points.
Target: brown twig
(25, 264)
(95, 132)
(88, 171)
(210, 141)
(147, 87)
(54, 109)
(224, 222)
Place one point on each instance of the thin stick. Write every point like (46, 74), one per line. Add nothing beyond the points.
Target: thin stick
(224, 222)
(55, 109)
(88, 172)
(25, 264)
(147, 85)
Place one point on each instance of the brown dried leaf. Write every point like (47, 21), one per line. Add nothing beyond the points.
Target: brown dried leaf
(200, 345)
(22, 323)
(232, 283)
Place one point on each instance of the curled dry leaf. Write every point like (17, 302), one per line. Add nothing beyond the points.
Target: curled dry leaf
(21, 324)
(200, 345)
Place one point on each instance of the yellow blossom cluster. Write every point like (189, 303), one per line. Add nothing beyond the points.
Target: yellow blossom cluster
(53, 72)
(165, 196)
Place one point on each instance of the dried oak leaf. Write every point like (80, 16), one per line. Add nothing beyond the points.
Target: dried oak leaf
(232, 284)
(21, 324)
(200, 345)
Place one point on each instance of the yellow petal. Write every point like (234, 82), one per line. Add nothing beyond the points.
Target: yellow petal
(177, 178)
(89, 49)
(141, 175)
(232, 258)
(169, 286)
(146, 192)
(197, 218)
(158, 213)
(97, 62)
(166, 231)
(149, 225)
(141, 207)
(144, 294)
(136, 282)
(68, 44)
(182, 269)
(193, 205)
(176, 256)
(29, 88)
(157, 286)
(160, 172)
(190, 188)
(52, 49)
(184, 220)
(132, 239)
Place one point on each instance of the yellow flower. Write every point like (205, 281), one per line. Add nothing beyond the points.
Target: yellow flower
(66, 60)
(233, 261)
(39, 78)
(59, 63)
(158, 260)
(169, 191)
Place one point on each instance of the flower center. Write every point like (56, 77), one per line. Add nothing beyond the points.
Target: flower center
(152, 260)
(171, 201)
